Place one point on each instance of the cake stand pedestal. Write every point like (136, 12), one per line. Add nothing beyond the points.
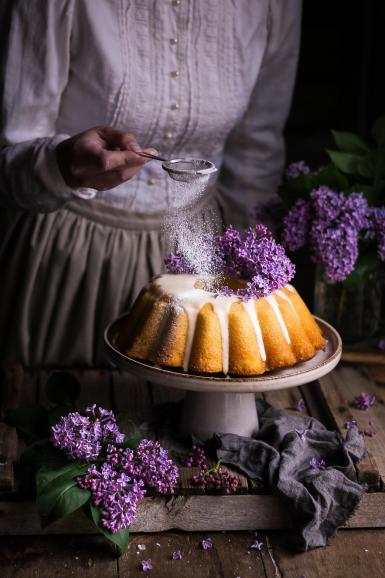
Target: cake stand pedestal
(225, 404)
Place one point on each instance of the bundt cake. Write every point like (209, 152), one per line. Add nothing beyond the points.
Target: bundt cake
(178, 323)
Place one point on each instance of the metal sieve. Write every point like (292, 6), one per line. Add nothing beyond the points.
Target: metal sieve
(185, 170)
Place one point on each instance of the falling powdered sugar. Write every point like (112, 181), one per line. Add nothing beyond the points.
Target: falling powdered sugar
(187, 230)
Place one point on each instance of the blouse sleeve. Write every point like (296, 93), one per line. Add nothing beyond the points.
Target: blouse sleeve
(255, 151)
(34, 72)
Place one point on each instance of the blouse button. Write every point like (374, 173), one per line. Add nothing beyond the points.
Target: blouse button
(173, 41)
(152, 181)
(175, 3)
(174, 73)
(168, 135)
(175, 106)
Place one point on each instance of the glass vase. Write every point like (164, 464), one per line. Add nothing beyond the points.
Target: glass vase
(355, 311)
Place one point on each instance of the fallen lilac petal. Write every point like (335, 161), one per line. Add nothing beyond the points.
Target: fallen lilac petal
(257, 545)
(300, 405)
(317, 464)
(146, 565)
(302, 433)
(177, 555)
(363, 401)
(207, 544)
(141, 547)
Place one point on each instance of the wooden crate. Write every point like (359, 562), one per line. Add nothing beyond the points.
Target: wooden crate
(191, 509)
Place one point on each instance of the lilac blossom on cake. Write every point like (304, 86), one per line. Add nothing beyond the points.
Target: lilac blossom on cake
(252, 257)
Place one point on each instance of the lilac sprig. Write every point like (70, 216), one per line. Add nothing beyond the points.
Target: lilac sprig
(81, 437)
(155, 467)
(252, 257)
(330, 223)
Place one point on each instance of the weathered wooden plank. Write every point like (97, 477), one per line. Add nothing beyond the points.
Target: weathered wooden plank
(339, 389)
(49, 556)
(285, 399)
(189, 513)
(367, 357)
(358, 554)
(375, 372)
(230, 556)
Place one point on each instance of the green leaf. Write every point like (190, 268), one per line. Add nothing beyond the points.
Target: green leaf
(51, 492)
(120, 539)
(30, 421)
(378, 131)
(331, 177)
(345, 162)
(67, 503)
(350, 142)
(47, 474)
(62, 388)
(366, 167)
(366, 264)
(43, 453)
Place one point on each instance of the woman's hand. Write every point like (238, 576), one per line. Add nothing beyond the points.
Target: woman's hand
(100, 158)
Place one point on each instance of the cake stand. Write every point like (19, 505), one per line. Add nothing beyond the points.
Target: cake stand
(224, 404)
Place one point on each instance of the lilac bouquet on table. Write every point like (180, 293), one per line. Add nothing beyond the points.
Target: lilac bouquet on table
(337, 214)
(102, 471)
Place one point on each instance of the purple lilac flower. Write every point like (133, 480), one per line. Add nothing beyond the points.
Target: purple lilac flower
(337, 221)
(146, 565)
(115, 493)
(331, 223)
(79, 436)
(300, 405)
(296, 225)
(254, 257)
(317, 464)
(155, 468)
(257, 545)
(381, 344)
(363, 401)
(302, 433)
(294, 170)
(207, 544)
(176, 263)
(177, 555)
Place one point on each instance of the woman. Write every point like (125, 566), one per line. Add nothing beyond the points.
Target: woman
(85, 81)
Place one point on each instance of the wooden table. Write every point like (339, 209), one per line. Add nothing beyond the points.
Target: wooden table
(352, 553)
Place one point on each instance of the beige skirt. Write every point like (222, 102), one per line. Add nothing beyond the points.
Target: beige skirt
(65, 275)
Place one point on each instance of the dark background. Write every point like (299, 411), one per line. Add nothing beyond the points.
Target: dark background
(340, 85)
(340, 81)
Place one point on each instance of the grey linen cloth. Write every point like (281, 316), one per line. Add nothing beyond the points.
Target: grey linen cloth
(318, 500)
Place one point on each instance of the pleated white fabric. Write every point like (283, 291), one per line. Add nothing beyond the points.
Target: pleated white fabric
(65, 275)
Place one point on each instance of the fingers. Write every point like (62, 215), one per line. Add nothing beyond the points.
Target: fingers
(100, 158)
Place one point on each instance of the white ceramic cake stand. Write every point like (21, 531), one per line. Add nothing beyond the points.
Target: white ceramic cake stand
(226, 404)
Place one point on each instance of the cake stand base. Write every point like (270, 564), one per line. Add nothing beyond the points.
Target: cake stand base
(207, 413)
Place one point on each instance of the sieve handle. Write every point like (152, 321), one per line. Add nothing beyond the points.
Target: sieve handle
(150, 156)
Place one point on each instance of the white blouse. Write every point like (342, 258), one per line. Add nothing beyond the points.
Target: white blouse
(193, 78)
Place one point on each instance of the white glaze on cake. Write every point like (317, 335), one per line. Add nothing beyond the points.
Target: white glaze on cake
(184, 291)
